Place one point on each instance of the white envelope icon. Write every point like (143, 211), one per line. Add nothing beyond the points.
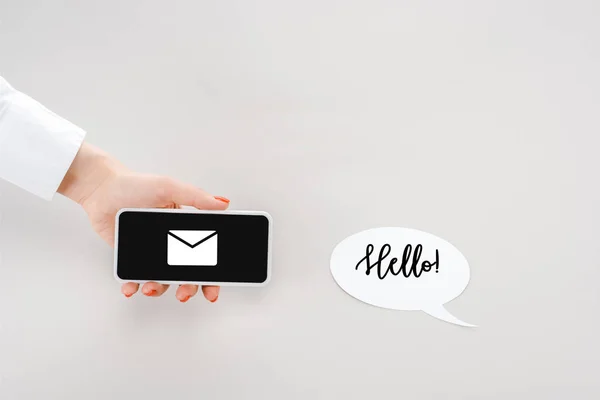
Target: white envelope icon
(197, 248)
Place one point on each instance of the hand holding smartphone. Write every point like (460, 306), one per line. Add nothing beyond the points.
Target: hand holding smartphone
(189, 246)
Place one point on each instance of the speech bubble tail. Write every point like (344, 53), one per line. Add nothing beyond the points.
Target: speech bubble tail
(440, 312)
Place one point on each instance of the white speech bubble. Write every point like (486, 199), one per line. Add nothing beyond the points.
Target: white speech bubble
(426, 271)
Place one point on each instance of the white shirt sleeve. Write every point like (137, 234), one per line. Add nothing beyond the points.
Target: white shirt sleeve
(37, 146)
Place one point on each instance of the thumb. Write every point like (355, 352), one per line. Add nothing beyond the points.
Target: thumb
(188, 195)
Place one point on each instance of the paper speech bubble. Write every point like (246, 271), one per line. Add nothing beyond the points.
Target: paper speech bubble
(401, 269)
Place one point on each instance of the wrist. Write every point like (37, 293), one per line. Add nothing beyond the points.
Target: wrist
(90, 169)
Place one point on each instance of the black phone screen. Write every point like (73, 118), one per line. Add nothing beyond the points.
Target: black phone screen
(181, 246)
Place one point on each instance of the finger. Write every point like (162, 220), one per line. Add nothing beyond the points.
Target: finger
(129, 288)
(153, 289)
(186, 292)
(211, 293)
(189, 195)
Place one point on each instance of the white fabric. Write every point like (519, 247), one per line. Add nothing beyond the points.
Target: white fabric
(37, 146)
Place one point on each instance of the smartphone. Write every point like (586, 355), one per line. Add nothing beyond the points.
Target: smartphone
(189, 246)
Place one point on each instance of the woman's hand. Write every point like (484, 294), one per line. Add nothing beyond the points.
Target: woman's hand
(102, 186)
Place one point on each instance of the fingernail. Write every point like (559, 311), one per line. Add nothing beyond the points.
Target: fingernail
(128, 295)
(186, 298)
(223, 199)
(215, 299)
(150, 293)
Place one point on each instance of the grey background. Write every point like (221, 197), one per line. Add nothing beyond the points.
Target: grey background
(477, 121)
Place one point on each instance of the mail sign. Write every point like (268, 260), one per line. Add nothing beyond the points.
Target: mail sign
(193, 246)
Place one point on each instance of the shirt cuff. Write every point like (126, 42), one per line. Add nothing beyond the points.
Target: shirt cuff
(37, 146)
